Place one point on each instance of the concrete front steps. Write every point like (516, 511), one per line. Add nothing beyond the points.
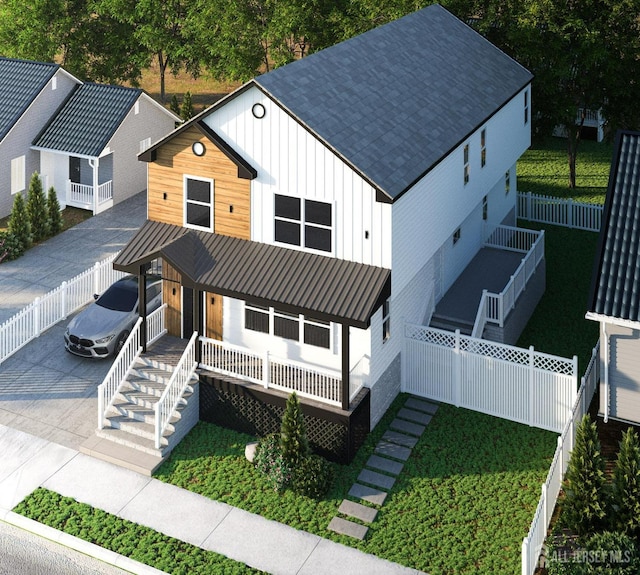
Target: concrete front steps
(382, 468)
(128, 436)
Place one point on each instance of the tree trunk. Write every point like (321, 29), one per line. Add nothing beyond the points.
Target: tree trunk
(573, 139)
(162, 65)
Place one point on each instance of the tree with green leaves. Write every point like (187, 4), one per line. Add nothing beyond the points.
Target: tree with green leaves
(53, 211)
(37, 209)
(19, 225)
(293, 435)
(626, 485)
(584, 507)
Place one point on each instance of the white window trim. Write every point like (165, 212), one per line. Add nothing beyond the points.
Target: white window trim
(18, 174)
(302, 319)
(302, 248)
(185, 202)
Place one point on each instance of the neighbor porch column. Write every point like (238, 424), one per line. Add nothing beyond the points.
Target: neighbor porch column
(345, 367)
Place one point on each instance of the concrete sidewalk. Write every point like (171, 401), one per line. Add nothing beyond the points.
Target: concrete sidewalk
(29, 462)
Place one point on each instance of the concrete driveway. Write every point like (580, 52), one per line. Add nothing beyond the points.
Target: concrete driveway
(44, 390)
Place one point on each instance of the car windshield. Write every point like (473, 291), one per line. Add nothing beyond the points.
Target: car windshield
(120, 297)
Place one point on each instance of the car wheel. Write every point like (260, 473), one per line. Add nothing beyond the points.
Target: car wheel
(122, 338)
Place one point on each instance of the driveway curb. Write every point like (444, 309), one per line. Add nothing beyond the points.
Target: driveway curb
(80, 545)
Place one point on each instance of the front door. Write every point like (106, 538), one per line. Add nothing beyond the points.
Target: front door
(213, 311)
(187, 312)
(74, 169)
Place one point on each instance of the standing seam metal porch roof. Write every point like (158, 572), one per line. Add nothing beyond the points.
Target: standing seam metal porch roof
(88, 119)
(20, 83)
(615, 287)
(334, 289)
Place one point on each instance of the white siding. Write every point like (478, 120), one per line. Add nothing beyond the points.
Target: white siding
(18, 141)
(624, 374)
(290, 161)
(55, 167)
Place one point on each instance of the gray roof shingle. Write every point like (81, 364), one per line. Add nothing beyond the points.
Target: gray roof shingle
(20, 82)
(397, 99)
(615, 288)
(88, 119)
(325, 287)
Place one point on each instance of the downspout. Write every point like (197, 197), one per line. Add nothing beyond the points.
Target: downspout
(94, 163)
(605, 336)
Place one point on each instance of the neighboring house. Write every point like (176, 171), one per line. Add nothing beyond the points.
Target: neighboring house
(614, 301)
(82, 138)
(315, 209)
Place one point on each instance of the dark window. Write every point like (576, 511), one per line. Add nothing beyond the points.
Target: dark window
(507, 182)
(317, 333)
(286, 325)
(483, 148)
(256, 318)
(294, 214)
(466, 164)
(198, 203)
(456, 236)
(485, 208)
(526, 107)
(386, 321)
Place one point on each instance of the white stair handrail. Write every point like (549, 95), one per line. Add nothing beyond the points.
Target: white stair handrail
(172, 394)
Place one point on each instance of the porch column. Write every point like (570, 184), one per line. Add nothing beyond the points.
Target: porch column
(142, 306)
(345, 367)
(95, 164)
(197, 320)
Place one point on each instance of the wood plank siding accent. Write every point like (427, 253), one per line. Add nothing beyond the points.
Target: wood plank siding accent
(174, 160)
(213, 328)
(171, 295)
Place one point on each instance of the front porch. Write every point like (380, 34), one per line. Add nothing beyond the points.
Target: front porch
(89, 185)
(497, 292)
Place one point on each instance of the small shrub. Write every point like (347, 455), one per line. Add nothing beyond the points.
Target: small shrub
(293, 436)
(19, 224)
(584, 507)
(312, 477)
(37, 209)
(53, 210)
(10, 247)
(270, 462)
(186, 111)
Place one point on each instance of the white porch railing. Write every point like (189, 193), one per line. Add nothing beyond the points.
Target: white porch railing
(82, 195)
(55, 306)
(268, 371)
(560, 211)
(359, 376)
(172, 395)
(117, 375)
(494, 308)
(156, 324)
(533, 543)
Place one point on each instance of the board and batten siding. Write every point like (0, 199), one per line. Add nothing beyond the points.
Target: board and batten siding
(166, 176)
(624, 374)
(18, 141)
(291, 161)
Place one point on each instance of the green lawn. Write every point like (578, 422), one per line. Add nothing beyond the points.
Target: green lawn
(544, 169)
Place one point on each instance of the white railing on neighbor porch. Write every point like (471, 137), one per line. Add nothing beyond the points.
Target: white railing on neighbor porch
(359, 376)
(494, 308)
(125, 359)
(81, 195)
(533, 543)
(56, 305)
(559, 211)
(269, 371)
(172, 395)
(513, 383)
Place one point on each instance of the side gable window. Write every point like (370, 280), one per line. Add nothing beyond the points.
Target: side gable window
(507, 182)
(18, 178)
(466, 164)
(304, 223)
(483, 147)
(526, 107)
(386, 320)
(485, 208)
(198, 203)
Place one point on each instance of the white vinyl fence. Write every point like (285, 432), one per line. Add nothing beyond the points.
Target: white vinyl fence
(55, 306)
(533, 543)
(559, 211)
(518, 384)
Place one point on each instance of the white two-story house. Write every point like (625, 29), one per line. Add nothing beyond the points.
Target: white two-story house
(312, 211)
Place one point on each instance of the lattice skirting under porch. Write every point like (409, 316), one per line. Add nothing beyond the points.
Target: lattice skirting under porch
(332, 432)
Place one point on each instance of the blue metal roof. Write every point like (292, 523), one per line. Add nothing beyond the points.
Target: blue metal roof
(20, 82)
(615, 289)
(88, 119)
(394, 101)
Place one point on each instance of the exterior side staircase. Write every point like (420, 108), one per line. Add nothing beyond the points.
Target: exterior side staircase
(128, 436)
(451, 324)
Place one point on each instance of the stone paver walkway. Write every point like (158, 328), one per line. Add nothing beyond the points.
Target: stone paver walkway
(381, 469)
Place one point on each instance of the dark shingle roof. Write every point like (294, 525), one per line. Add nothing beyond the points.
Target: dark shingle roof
(20, 82)
(329, 288)
(395, 100)
(88, 119)
(615, 289)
